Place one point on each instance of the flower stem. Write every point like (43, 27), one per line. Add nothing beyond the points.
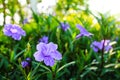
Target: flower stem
(53, 75)
(102, 58)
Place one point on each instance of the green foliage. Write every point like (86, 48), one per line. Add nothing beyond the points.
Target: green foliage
(79, 61)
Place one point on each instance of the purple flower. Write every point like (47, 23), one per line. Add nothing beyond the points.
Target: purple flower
(64, 26)
(25, 21)
(98, 46)
(28, 59)
(24, 64)
(47, 53)
(44, 39)
(83, 32)
(14, 31)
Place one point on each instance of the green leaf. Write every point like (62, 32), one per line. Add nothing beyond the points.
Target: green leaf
(92, 68)
(19, 54)
(37, 77)
(107, 70)
(32, 73)
(117, 65)
(84, 73)
(109, 65)
(46, 68)
(35, 17)
(66, 65)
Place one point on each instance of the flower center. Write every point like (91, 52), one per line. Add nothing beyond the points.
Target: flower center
(13, 30)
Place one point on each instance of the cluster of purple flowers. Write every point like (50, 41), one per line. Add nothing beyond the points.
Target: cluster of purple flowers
(96, 46)
(15, 31)
(47, 51)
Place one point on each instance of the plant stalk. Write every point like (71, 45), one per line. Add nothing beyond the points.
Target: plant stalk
(102, 55)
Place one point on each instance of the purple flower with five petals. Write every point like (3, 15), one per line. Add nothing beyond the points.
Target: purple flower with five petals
(47, 53)
(98, 46)
(83, 32)
(14, 31)
(44, 39)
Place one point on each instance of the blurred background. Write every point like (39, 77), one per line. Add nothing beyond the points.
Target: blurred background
(55, 7)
